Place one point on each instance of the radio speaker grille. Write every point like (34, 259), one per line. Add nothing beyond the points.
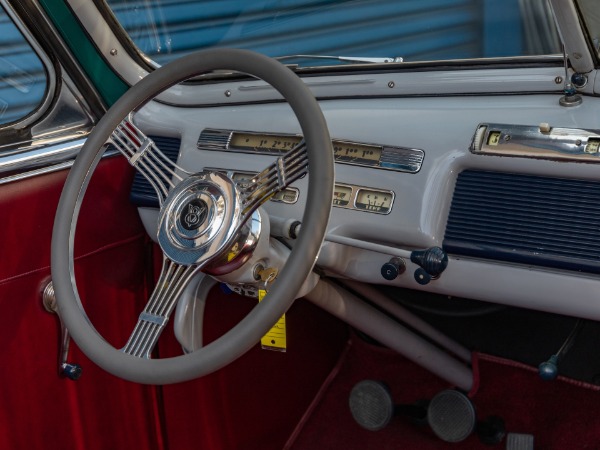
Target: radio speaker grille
(542, 221)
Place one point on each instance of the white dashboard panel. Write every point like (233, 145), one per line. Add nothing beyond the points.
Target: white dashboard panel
(441, 126)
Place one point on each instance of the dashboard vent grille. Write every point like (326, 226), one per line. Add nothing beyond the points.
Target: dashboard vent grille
(543, 221)
(142, 193)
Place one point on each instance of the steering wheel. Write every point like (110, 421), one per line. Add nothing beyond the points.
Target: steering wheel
(202, 217)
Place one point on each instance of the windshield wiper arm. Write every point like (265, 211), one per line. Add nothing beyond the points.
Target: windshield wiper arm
(354, 59)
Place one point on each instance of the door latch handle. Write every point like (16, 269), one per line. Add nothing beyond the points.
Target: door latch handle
(66, 369)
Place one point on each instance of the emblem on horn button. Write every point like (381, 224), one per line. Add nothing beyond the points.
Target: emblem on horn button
(193, 214)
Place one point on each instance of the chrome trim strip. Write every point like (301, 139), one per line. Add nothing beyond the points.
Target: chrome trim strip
(40, 161)
(542, 142)
(337, 82)
(51, 74)
(41, 156)
(34, 173)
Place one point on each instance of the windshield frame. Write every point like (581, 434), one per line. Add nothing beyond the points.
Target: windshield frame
(130, 65)
(148, 64)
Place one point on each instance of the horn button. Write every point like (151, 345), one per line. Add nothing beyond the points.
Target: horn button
(199, 218)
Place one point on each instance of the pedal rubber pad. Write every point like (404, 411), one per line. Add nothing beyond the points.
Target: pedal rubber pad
(451, 416)
(371, 404)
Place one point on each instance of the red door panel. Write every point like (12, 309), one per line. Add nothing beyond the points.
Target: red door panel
(39, 409)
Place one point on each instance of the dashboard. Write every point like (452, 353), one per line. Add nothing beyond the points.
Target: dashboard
(399, 164)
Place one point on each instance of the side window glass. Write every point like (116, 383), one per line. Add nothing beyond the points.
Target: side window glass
(22, 74)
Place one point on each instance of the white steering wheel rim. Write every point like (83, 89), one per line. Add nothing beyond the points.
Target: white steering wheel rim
(282, 294)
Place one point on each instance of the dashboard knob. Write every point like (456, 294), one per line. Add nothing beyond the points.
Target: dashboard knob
(433, 260)
(422, 277)
(391, 269)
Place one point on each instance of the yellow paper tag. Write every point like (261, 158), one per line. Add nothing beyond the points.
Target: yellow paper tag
(275, 339)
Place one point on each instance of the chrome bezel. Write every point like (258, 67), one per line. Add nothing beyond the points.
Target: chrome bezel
(398, 159)
(540, 142)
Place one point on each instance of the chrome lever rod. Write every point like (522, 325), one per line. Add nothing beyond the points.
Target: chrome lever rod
(66, 369)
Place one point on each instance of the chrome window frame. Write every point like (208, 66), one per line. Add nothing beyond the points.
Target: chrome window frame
(50, 91)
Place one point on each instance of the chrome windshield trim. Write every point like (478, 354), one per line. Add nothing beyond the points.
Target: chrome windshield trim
(51, 74)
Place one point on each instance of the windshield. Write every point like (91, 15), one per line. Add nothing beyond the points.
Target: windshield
(413, 30)
(591, 16)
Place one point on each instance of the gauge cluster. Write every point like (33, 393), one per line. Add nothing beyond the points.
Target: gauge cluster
(363, 198)
(348, 196)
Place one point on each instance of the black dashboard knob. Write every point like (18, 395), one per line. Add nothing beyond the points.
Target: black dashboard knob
(422, 277)
(391, 269)
(433, 260)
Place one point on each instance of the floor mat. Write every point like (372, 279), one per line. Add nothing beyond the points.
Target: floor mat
(561, 414)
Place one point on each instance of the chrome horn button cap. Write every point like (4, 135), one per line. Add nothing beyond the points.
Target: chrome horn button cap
(199, 218)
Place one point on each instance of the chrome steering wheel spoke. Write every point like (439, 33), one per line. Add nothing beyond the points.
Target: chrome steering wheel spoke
(143, 154)
(276, 177)
(173, 279)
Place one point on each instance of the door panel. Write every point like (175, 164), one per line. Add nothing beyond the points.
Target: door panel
(40, 409)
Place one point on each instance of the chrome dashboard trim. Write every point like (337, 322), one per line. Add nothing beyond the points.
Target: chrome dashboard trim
(542, 142)
(399, 159)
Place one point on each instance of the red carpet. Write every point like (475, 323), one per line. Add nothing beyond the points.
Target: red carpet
(561, 414)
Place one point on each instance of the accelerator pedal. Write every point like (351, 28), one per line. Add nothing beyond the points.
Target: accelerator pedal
(371, 404)
(451, 416)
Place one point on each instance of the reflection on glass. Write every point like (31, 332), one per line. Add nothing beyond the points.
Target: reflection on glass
(22, 75)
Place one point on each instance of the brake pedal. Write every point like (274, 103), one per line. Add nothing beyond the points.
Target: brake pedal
(451, 416)
(371, 404)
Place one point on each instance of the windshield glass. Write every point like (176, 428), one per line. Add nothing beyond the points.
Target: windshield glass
(414, 30)
(591, 16)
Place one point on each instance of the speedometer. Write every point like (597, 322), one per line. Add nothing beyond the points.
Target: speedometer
(386, 157)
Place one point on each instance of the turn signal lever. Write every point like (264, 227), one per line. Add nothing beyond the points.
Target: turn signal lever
(65, 369)
(432, 261)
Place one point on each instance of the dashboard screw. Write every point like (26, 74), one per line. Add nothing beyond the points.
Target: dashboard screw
(391, 84)
(227, 93)
(558, 80)
(113, 51)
